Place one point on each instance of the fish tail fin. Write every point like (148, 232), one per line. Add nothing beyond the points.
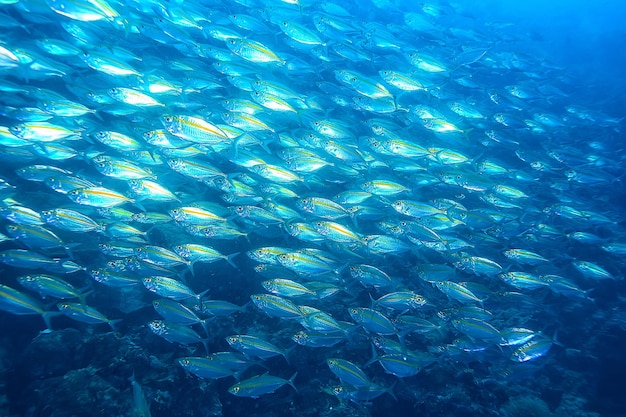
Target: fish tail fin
(47, 315)
(200, 295)
(287, 353)
(291, 380)
(137, 204)
(68, 250)
(354, 218)
(373, 359)
(205, 326)
(230, 257)
(372, 301)
(390, 390)
(555, 339)
(83, 296)
(113, 324)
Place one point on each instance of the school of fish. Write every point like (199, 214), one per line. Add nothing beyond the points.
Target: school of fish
(274, 180)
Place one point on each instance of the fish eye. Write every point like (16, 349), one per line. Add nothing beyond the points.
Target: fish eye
(235, 389)
(285, 23)
(239, 208)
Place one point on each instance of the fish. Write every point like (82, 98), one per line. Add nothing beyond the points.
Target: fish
(51, 286)
(177, 333)
(259, 385)
(193, 129)
(275, 306)
(175, 312)
(287, 288)
(205, 367)
(360, 394)
(372, 320)
(170, 288)
(348, 372)
(141, 405)
(477, 329)
(402, 365)
(252, 346)
(253, 51)
(591, 270)
(16, 302)
(98, 197)
(533, 349)
(457, 291)
(401, 300)
(85, 314)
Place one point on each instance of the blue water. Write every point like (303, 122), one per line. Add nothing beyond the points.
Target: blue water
(535, 88)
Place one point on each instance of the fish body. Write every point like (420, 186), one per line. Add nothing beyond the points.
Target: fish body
(348, 372)
(84, 313)
(176, 333)
(591, 270)
(205, 367)
(193, 129)
(287, 288)
(259, 385)
(98, 197)
(175, 312)
(252, 346)
(372, 320)
(275, 306)
(18, 303)
(252, 51)
(169, 288)
(51, 286)
(533, 349)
